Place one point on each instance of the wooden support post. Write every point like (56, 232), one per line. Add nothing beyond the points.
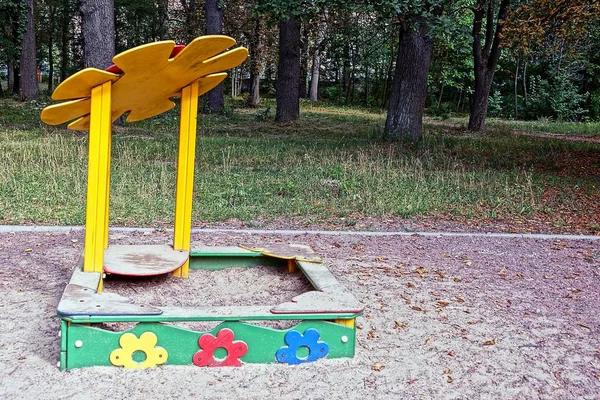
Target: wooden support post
(185, 173)
(346, 322)
(96, 225)
(292, 266)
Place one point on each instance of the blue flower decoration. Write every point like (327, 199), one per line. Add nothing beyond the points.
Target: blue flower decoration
(295, 340)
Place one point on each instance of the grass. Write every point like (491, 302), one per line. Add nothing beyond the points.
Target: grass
(332, 165)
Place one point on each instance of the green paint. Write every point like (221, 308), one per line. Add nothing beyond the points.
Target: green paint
(215, 263)
(181, 344)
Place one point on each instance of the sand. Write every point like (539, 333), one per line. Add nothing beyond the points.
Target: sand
(445, 317)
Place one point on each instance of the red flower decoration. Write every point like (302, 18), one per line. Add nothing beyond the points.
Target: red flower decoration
(205, 357)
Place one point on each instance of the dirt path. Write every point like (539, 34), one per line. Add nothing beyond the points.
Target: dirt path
(444, 318)
(572, 138)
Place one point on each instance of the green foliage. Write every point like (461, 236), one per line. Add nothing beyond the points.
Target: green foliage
(13, 17)
(559, 99)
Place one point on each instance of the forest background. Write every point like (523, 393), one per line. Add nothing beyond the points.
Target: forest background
(377, 69)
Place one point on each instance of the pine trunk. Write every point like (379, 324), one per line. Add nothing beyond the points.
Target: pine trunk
(28, 65)
(214, 26)
(288, 71)
(98, 29)
(409, 88)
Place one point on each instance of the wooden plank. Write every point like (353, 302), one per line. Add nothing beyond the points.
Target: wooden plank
(143, 260)
(185, 173)
(97, 189)
(225, 313)
(79, 300)
(318, 275)
(286, 251)
(320, 302)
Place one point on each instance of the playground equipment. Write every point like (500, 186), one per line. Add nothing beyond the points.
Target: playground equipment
(141, 82)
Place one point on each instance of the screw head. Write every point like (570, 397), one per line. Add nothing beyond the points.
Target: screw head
(78, 343)
(344, 339)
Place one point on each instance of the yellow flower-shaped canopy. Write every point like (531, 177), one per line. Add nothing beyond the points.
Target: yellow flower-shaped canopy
(149, 78)
(155, 355)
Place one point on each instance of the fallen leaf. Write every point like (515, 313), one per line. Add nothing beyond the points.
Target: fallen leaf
(457, 279)
(400, 324)
(74, 240)
(585, 326)
(450, 379)
(429, 341)
(417, 308)
(443, 303)
(447, 371)
(28, 250)
(451, 353)
(410, 284)
(490, 342)
(378, 366)
(460, 299)
(546, 277)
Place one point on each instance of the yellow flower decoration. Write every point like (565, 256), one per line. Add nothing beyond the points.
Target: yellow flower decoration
(149, 78)
(130, 344)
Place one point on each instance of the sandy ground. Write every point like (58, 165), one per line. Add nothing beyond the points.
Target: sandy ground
(450, 318)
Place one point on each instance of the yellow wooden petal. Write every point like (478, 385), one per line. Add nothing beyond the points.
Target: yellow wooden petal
(82, 124)
(206, 83)
(150, 78)
(202, 48)
(80, 84)
(151, 56)
(64, 112)
(222, 62)
(149, 110)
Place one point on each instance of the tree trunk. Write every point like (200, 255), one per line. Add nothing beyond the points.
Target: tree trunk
(28, 65)
(98, 29)
(409, 88)
(525, 84)
(64, 39)
(303, 63)
(13, 78)
(485, 58)
(50, 51)
(516, 104)
(214, 26)
(288, 71)
(255, 64)
(316, 58)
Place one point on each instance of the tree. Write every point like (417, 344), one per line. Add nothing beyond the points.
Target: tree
(28, 62)
(317, 49)
(98, 30)
(13, 18)
(288, 71)
(214, 26)
(409, 88)
(256, 50)
(486, 53)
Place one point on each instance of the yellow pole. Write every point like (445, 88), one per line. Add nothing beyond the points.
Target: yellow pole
(96, 223)
(185, 173)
